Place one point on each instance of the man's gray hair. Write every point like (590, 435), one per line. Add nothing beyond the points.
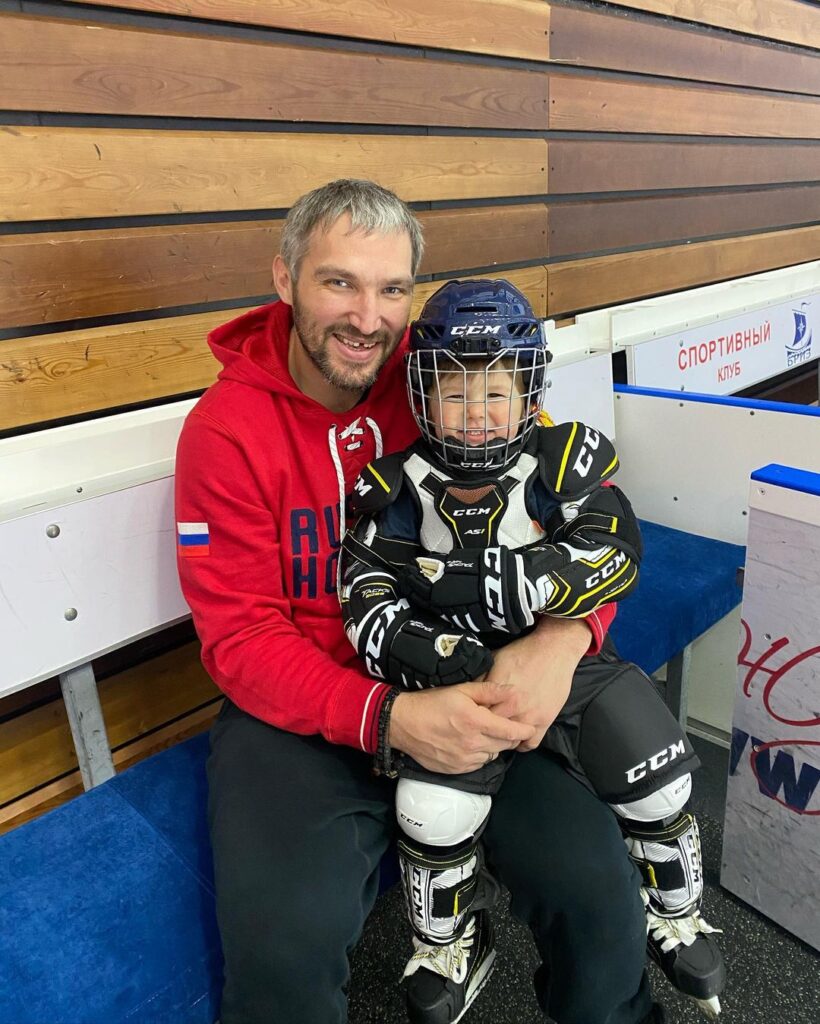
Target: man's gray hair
(371, 208)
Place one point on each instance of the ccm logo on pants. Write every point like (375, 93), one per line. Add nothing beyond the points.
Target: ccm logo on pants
(655, 762)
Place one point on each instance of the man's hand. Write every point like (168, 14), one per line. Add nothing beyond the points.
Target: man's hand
(538, 671)
(452, 729)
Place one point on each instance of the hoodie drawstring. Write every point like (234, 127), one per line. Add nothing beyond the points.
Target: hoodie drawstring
(340, 479)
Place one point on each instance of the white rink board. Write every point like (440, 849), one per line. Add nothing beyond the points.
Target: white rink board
(730, 354)
(114, 561)
(580, 388)
(771, 845)
(51, 468)
(686, 463)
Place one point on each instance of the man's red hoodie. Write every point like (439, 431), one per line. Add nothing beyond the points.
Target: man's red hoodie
(261, 475)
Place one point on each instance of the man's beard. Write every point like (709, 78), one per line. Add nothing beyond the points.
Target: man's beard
(316, 343)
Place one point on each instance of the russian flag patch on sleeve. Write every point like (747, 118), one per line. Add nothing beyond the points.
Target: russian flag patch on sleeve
(193, 540)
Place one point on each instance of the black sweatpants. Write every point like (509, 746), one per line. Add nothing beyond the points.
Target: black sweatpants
(299, 827)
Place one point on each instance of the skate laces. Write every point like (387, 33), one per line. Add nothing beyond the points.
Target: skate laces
(449, 961)
(676, 931)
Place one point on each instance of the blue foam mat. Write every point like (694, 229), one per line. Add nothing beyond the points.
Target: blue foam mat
(102, 922)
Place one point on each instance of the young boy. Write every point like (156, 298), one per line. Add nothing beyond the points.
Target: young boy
(489, 521)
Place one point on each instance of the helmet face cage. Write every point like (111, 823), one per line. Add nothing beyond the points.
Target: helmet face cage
(490, 406)
(476, 374)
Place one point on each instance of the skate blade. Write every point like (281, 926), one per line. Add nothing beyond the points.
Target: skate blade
(709, 1007)
(479, 981)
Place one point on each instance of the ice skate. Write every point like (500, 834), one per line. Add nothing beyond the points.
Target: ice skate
(442, 982)
(691, 960)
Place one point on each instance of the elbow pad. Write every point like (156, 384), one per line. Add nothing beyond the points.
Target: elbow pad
(572, 582)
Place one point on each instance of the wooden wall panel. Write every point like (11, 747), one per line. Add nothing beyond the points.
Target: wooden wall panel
(790, 21)
(577, 166)
(505, 28)
(57, 375)
(606, 280)
(106, 69)
(46, 278)
(622, 223)
(594, 39)
(588, 104)
(60, 173)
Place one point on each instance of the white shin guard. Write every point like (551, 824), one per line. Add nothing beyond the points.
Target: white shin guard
(440, 859)
(665, 845)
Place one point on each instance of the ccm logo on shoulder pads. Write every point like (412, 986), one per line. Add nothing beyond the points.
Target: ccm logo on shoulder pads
(574, 459)
(378, 485)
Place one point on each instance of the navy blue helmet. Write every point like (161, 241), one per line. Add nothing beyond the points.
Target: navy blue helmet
(476, 373)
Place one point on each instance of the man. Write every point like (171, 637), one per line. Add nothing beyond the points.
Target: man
(312, 388)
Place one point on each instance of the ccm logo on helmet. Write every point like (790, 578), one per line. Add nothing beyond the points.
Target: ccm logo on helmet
(655, 762)
(459, 329)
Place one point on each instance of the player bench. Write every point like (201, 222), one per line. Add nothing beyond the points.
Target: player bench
(107, 911)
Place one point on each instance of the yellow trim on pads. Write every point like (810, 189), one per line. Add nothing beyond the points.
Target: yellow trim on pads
(562, 470)
(376, 475)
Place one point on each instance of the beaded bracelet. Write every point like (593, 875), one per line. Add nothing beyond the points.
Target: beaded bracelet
(383, 763)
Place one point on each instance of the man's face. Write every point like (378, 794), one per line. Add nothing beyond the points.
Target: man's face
(351, 304)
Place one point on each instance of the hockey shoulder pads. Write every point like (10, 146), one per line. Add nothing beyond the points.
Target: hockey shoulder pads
(399, 644)
(378, 485)
(603, 517)
(573, 459)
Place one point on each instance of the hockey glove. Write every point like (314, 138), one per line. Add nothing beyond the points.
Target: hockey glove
(484, 591)
(406, 647)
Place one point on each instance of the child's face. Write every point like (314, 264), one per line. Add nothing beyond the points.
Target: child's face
(460, 411)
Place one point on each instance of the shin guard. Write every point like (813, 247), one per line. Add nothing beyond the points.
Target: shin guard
(439, 886)
(669, 859)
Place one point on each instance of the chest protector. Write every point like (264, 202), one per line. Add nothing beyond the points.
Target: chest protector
(475, 513)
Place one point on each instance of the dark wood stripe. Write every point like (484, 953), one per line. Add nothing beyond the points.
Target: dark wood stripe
(786, 20)
(619, 166)
(588, 103)
(591, 227)
(59, 65)
(625, 43)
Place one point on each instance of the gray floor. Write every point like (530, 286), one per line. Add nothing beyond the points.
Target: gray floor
(773, 977)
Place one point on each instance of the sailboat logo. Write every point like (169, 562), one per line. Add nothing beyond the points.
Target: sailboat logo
(799, 349)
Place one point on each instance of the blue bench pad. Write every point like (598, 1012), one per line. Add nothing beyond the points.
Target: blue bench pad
(688, 583)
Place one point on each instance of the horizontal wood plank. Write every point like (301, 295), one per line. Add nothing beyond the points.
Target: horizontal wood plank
(54, 794)
(790, 21)
(36, 747)
(508, 28)
(57, 65)
(61, 173)
(620, 166)
(592, 227)
(590, 104)
(47, 278)
(74, 372)
(605, 280)
(621, 42)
